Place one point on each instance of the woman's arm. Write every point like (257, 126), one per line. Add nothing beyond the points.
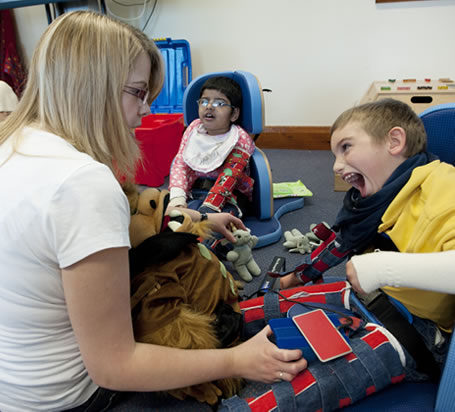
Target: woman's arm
(98, 298)
(429, 271)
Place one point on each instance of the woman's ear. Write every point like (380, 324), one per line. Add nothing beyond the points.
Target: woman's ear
(235, 114)
(397, 140)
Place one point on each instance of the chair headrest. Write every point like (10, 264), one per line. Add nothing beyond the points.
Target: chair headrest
(439, 123)
(252, 113)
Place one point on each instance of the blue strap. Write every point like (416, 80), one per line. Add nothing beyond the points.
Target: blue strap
(348, 378)
(285, 396)
(271, 306)
(328, 385)
(377, 367)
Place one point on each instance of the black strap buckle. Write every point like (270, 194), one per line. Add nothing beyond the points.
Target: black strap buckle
(368, 300)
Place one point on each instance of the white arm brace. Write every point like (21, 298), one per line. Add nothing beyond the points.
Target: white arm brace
(429, 271)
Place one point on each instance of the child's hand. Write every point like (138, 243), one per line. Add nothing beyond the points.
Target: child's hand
(289, 281)
(260, 360)
(353, 279)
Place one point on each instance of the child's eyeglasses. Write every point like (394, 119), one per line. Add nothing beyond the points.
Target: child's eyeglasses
(215, 103)
(141, 94)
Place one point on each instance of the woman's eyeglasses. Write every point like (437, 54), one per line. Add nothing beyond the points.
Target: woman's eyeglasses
(141, 94)
(215, 103)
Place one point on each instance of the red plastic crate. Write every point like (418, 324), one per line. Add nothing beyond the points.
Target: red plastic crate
(159, 139)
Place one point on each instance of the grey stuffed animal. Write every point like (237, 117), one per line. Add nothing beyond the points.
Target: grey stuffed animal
(242, 257)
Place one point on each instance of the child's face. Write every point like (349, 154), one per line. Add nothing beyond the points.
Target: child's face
(137, 82)
(217, 120)
(360, 161)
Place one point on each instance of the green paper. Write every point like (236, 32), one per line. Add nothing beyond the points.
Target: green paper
(291, 189)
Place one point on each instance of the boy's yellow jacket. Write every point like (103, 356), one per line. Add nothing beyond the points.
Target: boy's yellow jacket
(421, 219)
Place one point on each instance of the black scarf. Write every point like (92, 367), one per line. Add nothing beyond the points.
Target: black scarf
(359, 218)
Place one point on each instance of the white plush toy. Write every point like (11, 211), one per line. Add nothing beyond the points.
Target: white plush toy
(242, 257)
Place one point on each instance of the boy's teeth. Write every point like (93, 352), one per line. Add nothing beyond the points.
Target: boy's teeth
(349, 177)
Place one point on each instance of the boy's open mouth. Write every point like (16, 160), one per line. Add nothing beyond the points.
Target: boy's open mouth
(356, 180)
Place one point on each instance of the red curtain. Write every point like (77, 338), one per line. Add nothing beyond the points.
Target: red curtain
(11, 68)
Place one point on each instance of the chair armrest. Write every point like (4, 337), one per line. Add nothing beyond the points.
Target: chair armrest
(263, 185)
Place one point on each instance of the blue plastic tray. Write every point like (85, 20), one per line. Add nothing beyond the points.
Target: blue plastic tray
(177, 58)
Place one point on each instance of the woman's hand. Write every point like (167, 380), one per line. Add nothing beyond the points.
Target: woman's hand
(220, 222)
(223, 222)
(353, 279)
(260, 360)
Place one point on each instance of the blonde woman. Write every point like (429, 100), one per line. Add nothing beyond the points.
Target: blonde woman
(66, 337)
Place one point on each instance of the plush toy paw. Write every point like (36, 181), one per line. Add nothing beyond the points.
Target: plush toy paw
(301, 243)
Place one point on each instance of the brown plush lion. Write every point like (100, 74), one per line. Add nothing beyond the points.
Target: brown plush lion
(181, 294)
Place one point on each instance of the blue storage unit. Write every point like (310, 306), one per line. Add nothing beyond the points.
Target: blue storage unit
(177, 59)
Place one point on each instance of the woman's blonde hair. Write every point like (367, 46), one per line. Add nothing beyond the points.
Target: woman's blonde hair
(75, 85)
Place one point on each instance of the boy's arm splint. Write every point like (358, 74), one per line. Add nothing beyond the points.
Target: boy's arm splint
(224, 186)
(327, 255)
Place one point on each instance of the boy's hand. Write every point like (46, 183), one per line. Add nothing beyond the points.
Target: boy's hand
(289, 281)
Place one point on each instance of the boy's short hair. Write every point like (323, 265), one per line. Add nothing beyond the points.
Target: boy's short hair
(379, 117)
(229, 87)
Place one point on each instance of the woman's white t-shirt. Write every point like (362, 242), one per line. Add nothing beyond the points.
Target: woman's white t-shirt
(58, 206)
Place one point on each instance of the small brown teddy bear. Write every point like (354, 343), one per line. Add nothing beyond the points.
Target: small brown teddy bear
(181, 294)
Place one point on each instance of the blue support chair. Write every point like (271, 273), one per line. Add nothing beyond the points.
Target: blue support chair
(265, 222)
(439, 122)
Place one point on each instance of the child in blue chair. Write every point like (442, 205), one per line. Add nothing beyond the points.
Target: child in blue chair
(402, 207)
(215, 152)
(213, 156)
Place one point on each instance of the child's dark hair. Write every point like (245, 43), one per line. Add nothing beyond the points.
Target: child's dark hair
(229, 87)
(379, 117)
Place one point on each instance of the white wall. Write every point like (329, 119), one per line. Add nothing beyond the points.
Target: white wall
(318, 56)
